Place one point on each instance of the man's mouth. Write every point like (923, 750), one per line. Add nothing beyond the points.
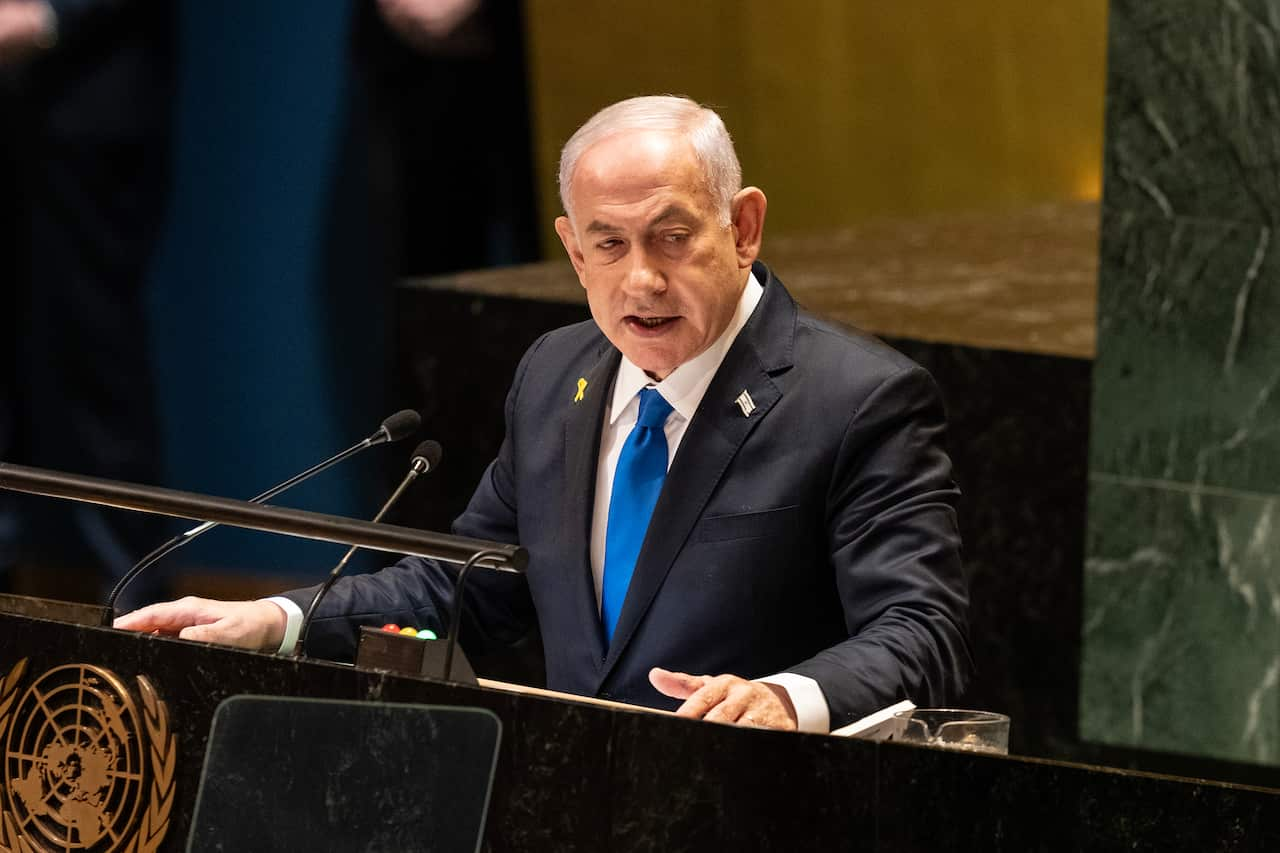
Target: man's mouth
(649, 322)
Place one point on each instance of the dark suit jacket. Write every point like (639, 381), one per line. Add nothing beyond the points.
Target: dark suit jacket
(817, 535)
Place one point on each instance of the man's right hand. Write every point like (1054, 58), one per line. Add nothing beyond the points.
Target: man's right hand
(244, 624)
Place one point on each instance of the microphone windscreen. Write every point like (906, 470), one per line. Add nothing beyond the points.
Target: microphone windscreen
(402, 424)
(431, 451)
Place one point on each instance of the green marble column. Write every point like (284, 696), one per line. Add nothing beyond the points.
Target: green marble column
(1181, 630)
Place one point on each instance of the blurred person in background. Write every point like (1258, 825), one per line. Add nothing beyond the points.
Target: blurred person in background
(443, 107)
(440, 150)
(86, 90)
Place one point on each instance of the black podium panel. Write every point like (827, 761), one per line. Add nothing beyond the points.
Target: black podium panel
(286, 773)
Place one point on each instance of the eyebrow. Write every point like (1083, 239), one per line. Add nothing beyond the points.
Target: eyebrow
(671, 211)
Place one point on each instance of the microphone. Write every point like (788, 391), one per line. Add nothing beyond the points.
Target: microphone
(426, 457)
(401, 425)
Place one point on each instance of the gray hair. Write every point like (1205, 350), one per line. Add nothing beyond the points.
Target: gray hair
(700, 125)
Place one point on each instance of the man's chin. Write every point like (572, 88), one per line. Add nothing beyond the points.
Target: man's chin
(656, 368)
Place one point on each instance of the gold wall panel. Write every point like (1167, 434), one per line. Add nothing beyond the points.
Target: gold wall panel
(845, 110)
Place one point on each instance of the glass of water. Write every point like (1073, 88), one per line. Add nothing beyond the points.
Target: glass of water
(952, 728)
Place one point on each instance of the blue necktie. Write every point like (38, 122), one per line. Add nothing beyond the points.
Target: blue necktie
(642, 466)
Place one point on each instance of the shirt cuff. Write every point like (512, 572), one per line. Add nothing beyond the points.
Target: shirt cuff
(812, 713)
(294, 615)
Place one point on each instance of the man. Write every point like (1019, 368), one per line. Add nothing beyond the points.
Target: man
(707, 479)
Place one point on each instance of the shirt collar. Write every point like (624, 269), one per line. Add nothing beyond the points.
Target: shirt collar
(683, 388)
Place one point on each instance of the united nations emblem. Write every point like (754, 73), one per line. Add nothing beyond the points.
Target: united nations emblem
(85, 768)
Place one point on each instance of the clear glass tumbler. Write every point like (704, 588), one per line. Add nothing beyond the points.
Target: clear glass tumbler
(953, 728)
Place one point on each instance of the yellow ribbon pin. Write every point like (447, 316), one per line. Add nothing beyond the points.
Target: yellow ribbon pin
(582, 386)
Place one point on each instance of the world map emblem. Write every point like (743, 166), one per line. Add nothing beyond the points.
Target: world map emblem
(87, 766)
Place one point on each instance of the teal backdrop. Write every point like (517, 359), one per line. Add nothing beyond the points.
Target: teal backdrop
(269, 338)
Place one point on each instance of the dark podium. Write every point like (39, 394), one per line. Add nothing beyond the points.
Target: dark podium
(577, 776)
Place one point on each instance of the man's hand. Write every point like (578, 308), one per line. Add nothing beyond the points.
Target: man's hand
(23, 29)
(244, 624)
(727, 699)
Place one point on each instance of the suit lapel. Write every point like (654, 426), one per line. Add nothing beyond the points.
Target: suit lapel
(581, 450)
(715, 435)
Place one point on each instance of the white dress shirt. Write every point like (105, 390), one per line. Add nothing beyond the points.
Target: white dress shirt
(683, 389)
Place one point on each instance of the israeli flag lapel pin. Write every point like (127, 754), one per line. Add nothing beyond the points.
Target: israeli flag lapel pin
(745, 403)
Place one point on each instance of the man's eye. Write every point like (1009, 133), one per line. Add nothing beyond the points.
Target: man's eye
(611, 243)
(676, 238)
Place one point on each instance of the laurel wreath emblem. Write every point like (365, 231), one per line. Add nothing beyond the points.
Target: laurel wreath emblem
(10, 840)
(162, 751)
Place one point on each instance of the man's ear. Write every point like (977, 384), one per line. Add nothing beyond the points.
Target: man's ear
(747, 216)
(569, 240)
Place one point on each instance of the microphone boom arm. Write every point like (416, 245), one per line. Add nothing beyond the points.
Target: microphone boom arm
(419, 466)
(392, 429)
(294, 522)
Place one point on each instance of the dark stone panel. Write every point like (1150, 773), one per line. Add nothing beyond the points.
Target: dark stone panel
(1180, 649)
(684, 785)
(1180, 617)
(1018, 433)
(1180, 621)
(1186, 376)
(995, 804)
(537, 773)
(1191, 109)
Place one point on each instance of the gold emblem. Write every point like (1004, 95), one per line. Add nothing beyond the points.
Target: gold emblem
(85, 768)
(582, 386)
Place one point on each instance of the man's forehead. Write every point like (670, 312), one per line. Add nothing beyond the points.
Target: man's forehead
(638, 158)
(636, 167)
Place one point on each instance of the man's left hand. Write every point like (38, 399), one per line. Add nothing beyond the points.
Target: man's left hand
(727, 699)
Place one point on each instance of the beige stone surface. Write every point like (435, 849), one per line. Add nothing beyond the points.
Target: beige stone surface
(1023, 280)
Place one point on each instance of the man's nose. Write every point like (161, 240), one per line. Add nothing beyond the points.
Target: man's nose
(644, 278)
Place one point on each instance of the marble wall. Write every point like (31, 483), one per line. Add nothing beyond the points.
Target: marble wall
(1181, 622)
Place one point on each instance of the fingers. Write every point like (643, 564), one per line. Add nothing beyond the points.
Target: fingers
(211, 633)
(727, 699)
(735, 705)
(244, 624)
(705, 698)
(677, 685)
(168, 617)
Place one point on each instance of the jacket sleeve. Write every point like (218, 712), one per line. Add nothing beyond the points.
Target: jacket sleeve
(498, 610)
(894, 546)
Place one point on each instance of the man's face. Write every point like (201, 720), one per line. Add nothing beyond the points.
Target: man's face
(662, 275)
